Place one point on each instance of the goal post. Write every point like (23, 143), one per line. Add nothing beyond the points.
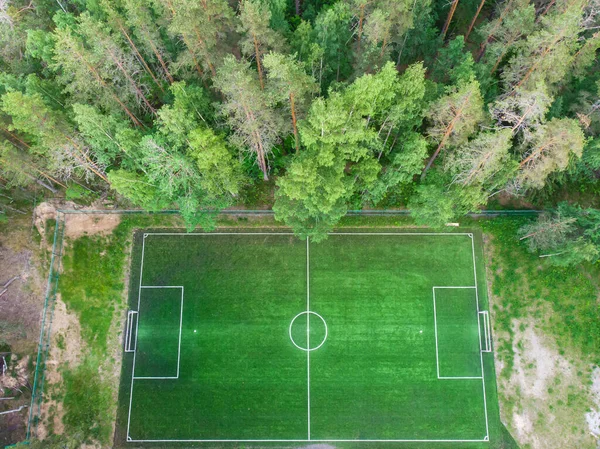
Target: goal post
(130, 329)
(486, 334)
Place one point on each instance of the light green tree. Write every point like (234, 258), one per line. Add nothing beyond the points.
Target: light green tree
(221, 174)
(338, 161)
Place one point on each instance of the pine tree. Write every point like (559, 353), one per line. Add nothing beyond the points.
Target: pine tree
(524, 111)
(504, 35)
(81, 73)
(114, 63)
(545, 55)
(147, 32)
(289, 83)
(482, 161)
(249, 111)
(551, 148)
(258, 38)
(202, 26)
(54, 138)
(454, 118)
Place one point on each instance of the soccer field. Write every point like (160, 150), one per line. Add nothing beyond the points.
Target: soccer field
(261, 337)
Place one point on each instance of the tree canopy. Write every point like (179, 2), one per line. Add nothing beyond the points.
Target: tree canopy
(323, 106)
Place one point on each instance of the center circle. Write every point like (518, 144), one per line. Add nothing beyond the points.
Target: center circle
(304, 330)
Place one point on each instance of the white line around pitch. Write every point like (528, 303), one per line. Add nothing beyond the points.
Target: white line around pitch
(306, 441)
(308, 331)
(136, 329)
(487, 428)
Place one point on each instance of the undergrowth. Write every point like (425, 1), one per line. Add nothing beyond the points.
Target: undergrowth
(526, 286)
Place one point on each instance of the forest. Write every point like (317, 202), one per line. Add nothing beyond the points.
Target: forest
(311, 107)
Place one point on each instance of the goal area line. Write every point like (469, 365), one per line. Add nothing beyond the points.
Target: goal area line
(134, 314)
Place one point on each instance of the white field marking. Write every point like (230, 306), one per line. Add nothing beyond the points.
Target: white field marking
(180, 329)
(219, 233)
(398, 233)
(305, 441)
(308, 332)
(437, 357)
(308, 313)
(487, 427)
(129, 439)
(129, 330)
(291, 233)
(136, 328)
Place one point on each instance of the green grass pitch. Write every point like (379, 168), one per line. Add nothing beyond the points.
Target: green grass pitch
(261, 338)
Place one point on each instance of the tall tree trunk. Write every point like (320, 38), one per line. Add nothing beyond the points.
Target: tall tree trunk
(258, 64)
(132, 82)
(535, 64)
(545, 11)
(445, 137)
(361, 18)
(103, 84)
(15, 137)
(41, 183)
(161, 61)
(449, 18)
(474, 20)
(260, 151)
(211, 67)
(298, 7)
(489, 38)
(141, 58)
(295, 128)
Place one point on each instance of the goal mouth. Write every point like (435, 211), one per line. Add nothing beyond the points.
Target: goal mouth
(306, 334)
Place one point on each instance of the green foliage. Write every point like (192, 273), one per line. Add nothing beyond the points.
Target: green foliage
(91, 286)
(454, 65)
(569, 236)
(569, 291)
(188, 104)
(77, 193)
(137, 189)
(338, 161)
(87, 403)
(221, 175)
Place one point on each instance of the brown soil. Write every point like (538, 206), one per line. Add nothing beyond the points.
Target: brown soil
(77, 225)
(20, 312)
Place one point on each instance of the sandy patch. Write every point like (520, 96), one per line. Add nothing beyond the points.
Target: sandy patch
(65, 350)
(77, 225)
(544, 393)
(544, 400)
(593, 416)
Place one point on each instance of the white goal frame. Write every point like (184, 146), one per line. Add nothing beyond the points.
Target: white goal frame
(308, 439)
(129, 331)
